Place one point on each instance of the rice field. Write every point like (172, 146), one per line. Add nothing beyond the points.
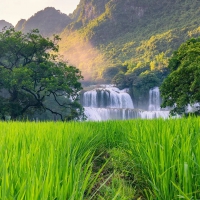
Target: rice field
(122, 160)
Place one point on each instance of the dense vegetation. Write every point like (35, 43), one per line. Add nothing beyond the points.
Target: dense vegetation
(122, 160)
(33, 76)
(136, 37)
(182, 86)
(125, 42)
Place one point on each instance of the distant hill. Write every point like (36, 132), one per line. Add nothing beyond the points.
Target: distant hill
(20, 24)
(4, 23)
(49, 21)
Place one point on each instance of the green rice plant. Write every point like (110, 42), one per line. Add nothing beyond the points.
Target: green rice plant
(134, 159)
(163, 153)
(167, 153)
(114, 180)
(45, 160)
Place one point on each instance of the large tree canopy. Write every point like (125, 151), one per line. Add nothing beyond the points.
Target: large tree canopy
(31, 76)
(182, 86)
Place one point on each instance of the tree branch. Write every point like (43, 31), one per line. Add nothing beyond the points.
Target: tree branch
(53, 112)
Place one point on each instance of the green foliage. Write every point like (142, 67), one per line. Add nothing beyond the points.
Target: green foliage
(120, 80)
(141, 77)
(182, 86)
(109, 73)
(31, 73)
(131, 32)
(145, 81)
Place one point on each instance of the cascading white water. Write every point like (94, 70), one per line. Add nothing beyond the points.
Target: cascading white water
(108, 97)
(192, 107)
(154, 114)
(102, 114)
(108, 102)
(154, 99)
(154, 110)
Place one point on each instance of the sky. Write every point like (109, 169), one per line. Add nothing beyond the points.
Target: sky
(14, 10)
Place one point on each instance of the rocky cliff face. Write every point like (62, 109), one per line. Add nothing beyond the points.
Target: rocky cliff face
(120, 12)
(109, 17)
(49, 21)
(88, 10)
(4, 23)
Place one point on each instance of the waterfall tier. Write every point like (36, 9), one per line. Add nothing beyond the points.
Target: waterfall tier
(103, 114)
(110, 103)
(108, 97)
(154, 99)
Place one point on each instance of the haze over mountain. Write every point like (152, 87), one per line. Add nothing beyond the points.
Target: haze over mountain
(49, 21)
(4, 23)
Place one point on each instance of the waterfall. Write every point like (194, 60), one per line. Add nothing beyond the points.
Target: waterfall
(109, 103)
(154, 99)
(108, 97)
(102, 114)
(192, 107)
(154, 114)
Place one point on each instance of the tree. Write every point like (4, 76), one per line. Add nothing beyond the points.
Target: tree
(182, 86)
(120, 80)
(31, 73)
(109, 73)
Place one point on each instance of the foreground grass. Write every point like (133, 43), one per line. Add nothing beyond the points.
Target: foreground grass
(136, 159)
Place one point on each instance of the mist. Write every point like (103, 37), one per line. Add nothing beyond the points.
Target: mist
(82, 54)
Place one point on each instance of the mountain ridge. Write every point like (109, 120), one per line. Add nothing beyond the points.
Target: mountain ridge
(4, 24)
(49, 21)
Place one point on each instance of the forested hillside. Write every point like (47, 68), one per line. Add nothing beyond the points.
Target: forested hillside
(128, 42)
